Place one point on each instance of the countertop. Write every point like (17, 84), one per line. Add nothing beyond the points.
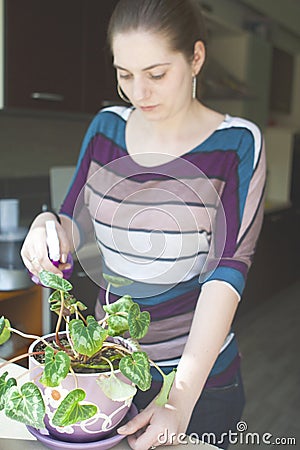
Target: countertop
(15, 436)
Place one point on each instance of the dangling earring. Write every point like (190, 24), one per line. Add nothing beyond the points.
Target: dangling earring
(194, 89)
(122, 95)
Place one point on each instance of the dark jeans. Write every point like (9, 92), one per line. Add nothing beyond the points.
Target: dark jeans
(217, 411)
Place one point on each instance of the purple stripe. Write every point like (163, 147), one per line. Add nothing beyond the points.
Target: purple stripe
(181, 304)
(234, 264)
(75, 189)
(219, 164)
(214, 381)
(225, 377)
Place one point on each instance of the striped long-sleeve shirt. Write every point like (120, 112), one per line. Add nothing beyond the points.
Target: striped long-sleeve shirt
(174, 226)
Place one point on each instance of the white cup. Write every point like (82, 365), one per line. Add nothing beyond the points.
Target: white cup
(9, 214)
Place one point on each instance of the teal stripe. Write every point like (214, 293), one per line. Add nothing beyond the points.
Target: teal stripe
(223, 361)
(153, 294)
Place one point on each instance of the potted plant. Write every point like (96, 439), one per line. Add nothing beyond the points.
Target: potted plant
(82, 378)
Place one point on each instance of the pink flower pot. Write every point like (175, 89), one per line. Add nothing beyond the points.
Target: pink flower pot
(109, 415)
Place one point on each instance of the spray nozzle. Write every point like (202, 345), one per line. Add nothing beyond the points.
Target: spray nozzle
(52, 241)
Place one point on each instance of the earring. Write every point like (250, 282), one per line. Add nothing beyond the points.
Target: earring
(194, 87)
(122, 95)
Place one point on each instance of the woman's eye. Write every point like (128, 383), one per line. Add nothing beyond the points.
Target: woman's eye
(157, 77)
(124, 76)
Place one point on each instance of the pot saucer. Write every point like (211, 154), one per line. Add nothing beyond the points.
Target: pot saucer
(103, 444)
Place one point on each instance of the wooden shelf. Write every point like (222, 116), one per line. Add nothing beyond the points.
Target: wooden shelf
(23, 308)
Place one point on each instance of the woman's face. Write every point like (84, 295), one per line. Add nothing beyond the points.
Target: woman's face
(157, 80)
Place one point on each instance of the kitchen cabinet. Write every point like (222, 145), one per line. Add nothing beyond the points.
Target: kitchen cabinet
(249, 58)
(55, 55)
(276, 263)
(23, 308)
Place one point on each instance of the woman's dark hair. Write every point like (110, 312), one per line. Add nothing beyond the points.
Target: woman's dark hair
(180, 21)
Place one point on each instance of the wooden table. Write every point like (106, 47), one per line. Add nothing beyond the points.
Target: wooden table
(15, 436)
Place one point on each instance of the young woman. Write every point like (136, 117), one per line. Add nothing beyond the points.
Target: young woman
(174, 193)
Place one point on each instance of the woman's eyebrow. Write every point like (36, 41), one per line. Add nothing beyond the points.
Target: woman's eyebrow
(153, 66)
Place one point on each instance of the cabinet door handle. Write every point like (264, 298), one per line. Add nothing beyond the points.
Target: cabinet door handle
(47, 96)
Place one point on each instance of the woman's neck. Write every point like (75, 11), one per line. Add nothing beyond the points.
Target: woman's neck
(176, 126)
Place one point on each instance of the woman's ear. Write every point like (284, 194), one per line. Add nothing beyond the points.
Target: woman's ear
(199, 57)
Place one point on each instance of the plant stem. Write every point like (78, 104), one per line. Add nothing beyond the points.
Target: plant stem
(157, 368)
(59, 320)
(70, 340)
(118, 347)
(74, 376)
(82, 317)
(19, 357)
(102, 321)
(107, 294)
(28, 336)
(13, 360)
(108, 362)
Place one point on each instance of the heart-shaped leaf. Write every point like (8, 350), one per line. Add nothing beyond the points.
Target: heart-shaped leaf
(87, 340)
(123, 304)
(56, 368)
(163, 395)
(5, 385)
(138, 322)
(117, 325)
(116, 389)
(70, 410)
(117, 281)
(136, 367)
(53, 281)
(26, 406)
(4, 331)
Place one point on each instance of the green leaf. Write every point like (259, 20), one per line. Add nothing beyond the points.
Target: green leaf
(5, 333)
(26, 406)
(54, 297)
(71, 304)
(123, 304)
(5, 385)
(117, 281)
(163, 395)
(53, 281)
(136, 367)
(70, 410)
(138, 322)
(2, 324)
(56, 367)
(81, 306)
(116, 389)
(87, 340)
(117, 325)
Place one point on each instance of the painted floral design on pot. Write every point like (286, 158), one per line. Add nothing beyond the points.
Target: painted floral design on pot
(109, 412)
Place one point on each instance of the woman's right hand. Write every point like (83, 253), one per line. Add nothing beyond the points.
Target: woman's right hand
(34, 251)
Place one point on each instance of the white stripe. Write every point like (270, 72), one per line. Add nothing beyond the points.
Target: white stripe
(122, 111)
(239, 122)
(175, 362)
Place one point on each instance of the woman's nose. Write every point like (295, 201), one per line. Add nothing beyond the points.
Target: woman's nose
(141, 90)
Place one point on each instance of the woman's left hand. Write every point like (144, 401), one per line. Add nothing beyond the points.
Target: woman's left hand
(155, 426)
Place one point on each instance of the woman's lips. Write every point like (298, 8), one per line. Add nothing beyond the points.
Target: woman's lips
(148, 108)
